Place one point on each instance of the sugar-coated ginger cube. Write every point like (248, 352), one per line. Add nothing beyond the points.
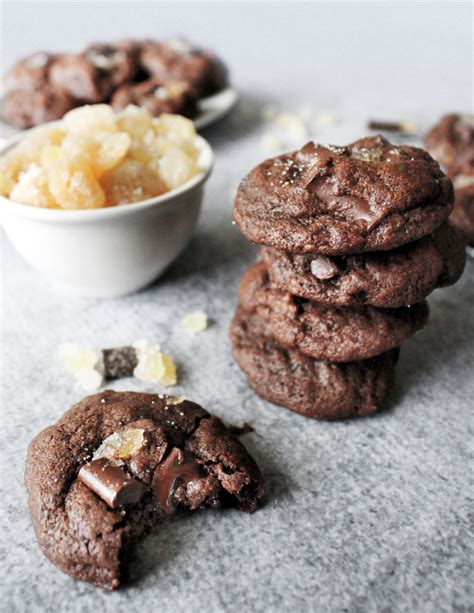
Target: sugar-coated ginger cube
(27, 152)
(178, 126)
(175, 166)
(134, 120)
(90, 118)
(74, 185)
(121, 445)
(32, 188)
(103, 150)
(130, 181)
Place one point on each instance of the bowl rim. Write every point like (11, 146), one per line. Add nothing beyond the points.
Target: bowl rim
(9, 207)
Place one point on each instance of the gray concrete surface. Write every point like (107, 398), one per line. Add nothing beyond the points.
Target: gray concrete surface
(367, 515)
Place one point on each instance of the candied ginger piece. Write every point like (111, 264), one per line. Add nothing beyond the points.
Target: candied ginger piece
(155, 367)
(32, 188)
(195, 322)
(74, 185)
(174, 400)
(176, 166)
(174, 125)
(134, 120)
(130, 181)
(121, 445)
(103, 150)
(45, 135)
(50, 155)
(90, 118)
(10, 168)
(112, 148)
(75, 357)
(27, 152)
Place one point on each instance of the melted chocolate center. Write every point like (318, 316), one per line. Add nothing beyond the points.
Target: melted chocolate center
(174, 471)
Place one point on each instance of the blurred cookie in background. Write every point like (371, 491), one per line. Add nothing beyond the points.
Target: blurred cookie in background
(451, 142)
(177, 97)
(163, 77)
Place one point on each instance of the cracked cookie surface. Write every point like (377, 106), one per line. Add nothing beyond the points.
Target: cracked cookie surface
(324, 199)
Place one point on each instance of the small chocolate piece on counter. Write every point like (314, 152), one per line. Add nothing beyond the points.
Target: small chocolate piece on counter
(171, 473)
(119, 362)
(111, 483)
(385, 126)
(404, 126)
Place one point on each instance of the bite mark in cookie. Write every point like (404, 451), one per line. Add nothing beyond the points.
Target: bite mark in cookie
(116, 464)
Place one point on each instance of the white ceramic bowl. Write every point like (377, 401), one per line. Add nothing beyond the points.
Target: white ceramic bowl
(111, 251)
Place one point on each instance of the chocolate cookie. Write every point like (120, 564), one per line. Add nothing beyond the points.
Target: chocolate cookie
(463, 212)
(326, 332)
(385, 278)
(178, 60)
(157, 97)
(451, 142)
(322, 390)
(116, 463)
(91, 76)
(368, 196)
(25, 109)
(30, 73)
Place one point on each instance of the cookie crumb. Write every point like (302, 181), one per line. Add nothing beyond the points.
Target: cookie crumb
(195, 322)
(175, 399)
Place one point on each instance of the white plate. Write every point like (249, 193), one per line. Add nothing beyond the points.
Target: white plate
(215, 107)
(211, 110)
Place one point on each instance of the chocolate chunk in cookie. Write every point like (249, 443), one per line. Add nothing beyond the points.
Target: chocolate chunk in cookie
(321, 390)
(25, 109)
(327, 332)
(451, 142)
(328, 200)
(385, 278)
(117, 463)
(157, 97)
(178, 60)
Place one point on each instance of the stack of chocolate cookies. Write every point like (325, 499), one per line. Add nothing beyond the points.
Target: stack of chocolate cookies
(354, 238)
(451, 142)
